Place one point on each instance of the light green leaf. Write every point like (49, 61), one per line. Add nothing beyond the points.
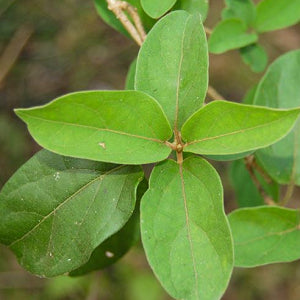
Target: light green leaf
(185, 231)
(56, 210)
(240, 9)
(228, 157)
(120, 126)
(273, 15)
(157, 8)
(172, 65)
(130, 76)
(265, 235)
(279, 88)
(193, 6)
(223, 127)
(230, 34)
(250, 94)
(255, 56)
(109, 17)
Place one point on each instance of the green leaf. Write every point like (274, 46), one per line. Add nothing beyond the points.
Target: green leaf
(172, 65)
(193, 6)
(265, 235)
(249, 96)
(279, 88)
(118, 244)
(156, 8)
(109, 17)
(230, 34)
(56, 210)
(130, 76)
(240, 9)
(228, 157)
(185, 231)
(223, 127)
(120, 127)
(255, 56)
(273, 15)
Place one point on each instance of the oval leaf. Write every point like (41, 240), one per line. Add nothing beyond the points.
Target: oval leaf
(185, 231)
(193, 6)
(273, 15)
(230, 34)
(265, 235)
(119, 127)
(56, 210)
(157, 8)
(279, 88)
(172, 65)
(223, 127)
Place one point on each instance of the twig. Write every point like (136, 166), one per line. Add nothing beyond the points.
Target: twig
(13, 50)
(288, 194)
(208, 30)
(214, 94)
(136, 31)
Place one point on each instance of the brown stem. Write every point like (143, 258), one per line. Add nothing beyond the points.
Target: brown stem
(214, 94)
(208, 30)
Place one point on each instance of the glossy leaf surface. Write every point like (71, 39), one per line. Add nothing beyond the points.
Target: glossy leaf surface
(185, 231)
(273, 15)
(223, 127)
(172, 65)
(56, 210)
(279, 88)
(255, 56)
(265, 235)
(230, 34)
(157, 8)
(193, 6)
(120, 127)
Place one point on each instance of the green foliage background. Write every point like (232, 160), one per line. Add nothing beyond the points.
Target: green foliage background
(71, 49)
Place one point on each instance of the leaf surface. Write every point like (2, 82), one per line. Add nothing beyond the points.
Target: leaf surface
(223, 127)
(193, 6)
(157, 8)
(185, 231)
(172, 65)
(273, 15)
(129, 85)
(230, 34)
(56, 210)
(265, 235)
(279, 88)
(119, 127)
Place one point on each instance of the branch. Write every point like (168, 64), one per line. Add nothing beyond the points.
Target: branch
(208, 31)
(214, 94)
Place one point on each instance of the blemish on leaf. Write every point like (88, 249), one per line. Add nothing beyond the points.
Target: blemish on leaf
(109, 254)
(56, 176)
(102, 145)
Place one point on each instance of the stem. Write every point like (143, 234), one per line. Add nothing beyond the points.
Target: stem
(208, 31)
(288, 194)
(214, 94)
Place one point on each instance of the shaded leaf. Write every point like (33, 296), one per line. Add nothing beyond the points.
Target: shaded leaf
(230, 34)
(279, 88)
(129, 85)
(157, 8)
(255, 56)
(120, 126)
(184, 229)
(228, 157)
(265, 235)
(223, 127)
(56, 210)
(193, 6)
(249, 96)
(172, 65)
(273, 15)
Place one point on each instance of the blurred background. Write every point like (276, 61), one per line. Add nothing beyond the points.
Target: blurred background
(49, 48)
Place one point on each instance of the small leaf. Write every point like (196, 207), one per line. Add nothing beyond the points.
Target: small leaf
(223, 127)
(120, 127)
(193, 6)
(109, 17)
(265, 235)
(56, 210)
(279, 88)
(230, 34)
(240, 9)
(184, 229)
(172, 65)
(255, 56)
(273, 15)
(130, 76)
(157, 8)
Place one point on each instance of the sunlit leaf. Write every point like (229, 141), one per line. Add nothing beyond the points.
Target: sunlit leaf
(157, 8)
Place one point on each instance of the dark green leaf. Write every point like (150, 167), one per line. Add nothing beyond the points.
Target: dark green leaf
(56, 210)
(279, 88)
(173, 65)
(157, 8)
(193, 6)
(228, 157)
(250, 94)
(223, 127)
(130, 76)
(255, 56)
(265, 235)
(184, 229)
(120, 127)
(273, 15)
(230, 34)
